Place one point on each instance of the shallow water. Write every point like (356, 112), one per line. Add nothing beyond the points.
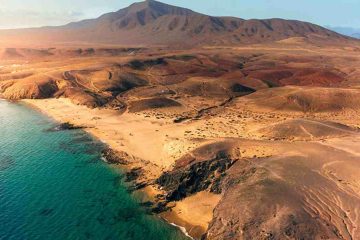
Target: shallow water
(53, 185)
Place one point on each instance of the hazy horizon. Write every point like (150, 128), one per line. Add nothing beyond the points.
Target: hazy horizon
(34, 13)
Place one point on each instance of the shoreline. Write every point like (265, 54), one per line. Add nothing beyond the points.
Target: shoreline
(150, 191)
(182, 229)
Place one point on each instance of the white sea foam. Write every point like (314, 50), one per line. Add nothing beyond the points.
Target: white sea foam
(183, 230)
(104, 159)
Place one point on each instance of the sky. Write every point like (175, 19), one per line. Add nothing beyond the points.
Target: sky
(35, 13)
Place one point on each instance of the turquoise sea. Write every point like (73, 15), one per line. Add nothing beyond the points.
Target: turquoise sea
(54, 186)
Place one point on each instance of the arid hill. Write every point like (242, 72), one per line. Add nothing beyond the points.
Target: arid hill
(305, 129)
(155, 23)
(304, 99)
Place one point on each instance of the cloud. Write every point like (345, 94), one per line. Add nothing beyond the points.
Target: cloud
(23, 18)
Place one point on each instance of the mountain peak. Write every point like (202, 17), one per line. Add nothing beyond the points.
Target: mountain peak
(144, 13)
(143, 5)
(156, 7)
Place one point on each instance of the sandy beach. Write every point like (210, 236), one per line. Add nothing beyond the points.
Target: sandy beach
(153, 150)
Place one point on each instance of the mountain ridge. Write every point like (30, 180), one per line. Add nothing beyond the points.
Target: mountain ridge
(154, 23)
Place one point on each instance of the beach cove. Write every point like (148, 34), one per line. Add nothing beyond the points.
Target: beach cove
(53, 185)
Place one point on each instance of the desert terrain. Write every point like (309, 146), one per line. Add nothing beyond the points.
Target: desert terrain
(217, 131)
(247, 140)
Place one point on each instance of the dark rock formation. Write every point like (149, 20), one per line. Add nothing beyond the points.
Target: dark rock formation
(115, 157)
(68, 126)
(65, 126)
(133, 174)
(197, 176)
(153, 103)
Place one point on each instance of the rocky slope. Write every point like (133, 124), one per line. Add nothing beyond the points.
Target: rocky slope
(266, 198)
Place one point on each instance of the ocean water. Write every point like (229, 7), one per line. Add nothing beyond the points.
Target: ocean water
(53, 185)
